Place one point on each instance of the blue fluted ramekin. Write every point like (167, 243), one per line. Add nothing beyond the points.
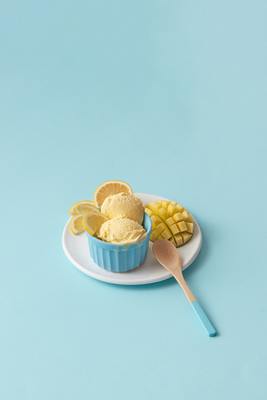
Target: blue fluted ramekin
(120, 257)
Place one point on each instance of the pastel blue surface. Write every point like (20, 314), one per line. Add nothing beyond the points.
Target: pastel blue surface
(171, 97)
(118, 257)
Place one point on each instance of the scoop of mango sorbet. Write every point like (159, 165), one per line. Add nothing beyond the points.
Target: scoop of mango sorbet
(121, 231)
(123, 205)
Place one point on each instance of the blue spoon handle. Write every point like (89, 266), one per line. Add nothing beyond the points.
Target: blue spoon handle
(208, 326)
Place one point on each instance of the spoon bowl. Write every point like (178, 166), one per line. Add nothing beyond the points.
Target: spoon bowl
(167, 255)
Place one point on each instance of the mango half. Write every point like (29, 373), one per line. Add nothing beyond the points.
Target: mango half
(170, 221)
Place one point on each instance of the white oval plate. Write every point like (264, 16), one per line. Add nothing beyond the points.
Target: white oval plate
(77, 251)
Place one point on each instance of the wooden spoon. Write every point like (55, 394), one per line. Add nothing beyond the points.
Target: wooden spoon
(168, 256)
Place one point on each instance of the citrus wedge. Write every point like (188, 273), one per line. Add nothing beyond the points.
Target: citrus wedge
(83, 207)
(108, 188)
(92, 222)
(76, 225)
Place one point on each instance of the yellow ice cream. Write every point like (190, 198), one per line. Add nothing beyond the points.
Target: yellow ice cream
(121, 231)
(123, 205)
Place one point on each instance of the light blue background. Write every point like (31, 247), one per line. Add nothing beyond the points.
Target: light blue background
(171, 97)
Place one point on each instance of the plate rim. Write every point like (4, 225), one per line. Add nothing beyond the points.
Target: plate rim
(112, 279)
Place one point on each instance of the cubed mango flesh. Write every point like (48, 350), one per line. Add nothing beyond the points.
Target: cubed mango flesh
(170, 221)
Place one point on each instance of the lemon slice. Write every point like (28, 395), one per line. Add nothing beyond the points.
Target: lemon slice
(110, 187)
(92, 222)
(76, 225)
(83, 207)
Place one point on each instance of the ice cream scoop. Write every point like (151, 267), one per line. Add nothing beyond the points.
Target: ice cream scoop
(121, 231)
(123, 205)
